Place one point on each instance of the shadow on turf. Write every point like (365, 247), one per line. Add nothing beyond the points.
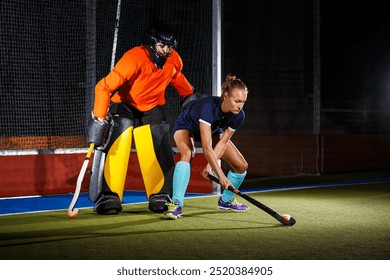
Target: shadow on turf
(231, 216)
(236, 219)
(12, 239)
(74, 235)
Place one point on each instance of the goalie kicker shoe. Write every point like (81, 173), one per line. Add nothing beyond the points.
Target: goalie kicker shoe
(233, 205)
(174, 211)
(158, 202)
(108, 204)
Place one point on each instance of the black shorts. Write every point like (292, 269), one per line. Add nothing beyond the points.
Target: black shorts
(153, 116)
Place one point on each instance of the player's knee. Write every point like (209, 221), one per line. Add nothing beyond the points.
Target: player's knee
(241, 167)
(186, 155)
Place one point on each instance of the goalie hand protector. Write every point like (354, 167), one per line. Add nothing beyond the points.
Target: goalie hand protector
(186, 103)
(98, 132)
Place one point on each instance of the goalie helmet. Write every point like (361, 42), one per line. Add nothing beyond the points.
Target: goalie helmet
(159, 33)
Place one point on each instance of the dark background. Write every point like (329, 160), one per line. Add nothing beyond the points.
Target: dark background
(317, 73)
(274, 39)
(355, 51)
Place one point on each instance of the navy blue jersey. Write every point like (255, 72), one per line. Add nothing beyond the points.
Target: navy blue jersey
(207, 110)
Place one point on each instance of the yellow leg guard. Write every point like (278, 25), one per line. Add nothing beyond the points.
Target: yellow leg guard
(117, 160)
(152, 173)
(155, 158)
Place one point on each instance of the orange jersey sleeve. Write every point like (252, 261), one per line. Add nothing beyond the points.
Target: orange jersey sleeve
(139, 82)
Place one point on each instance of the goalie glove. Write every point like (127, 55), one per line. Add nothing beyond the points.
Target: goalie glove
(186, 103)
(98, 132)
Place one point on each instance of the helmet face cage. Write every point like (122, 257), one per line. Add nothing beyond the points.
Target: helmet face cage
(159, 33)
(163, 43)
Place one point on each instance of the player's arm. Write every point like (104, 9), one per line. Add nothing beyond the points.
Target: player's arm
(181, 85)
(103, 90)
(213, 155)
(220, 147)
(179, 82)
(106, 86)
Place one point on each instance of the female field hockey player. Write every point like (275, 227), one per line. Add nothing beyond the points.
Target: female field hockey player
(211, 121)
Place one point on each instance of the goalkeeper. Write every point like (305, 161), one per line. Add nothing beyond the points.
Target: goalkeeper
(133, 93)
(211, 121)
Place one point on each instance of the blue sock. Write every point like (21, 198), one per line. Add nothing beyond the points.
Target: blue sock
(236, 179)
(181, 178)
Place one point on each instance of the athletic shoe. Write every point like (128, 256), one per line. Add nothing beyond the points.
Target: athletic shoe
(233, 205)
(174, 211)
(108, 204)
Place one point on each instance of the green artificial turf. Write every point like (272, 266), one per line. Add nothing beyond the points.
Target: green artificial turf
(348, 222)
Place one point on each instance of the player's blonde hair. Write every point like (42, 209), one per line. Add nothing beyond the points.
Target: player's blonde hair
(231, 83)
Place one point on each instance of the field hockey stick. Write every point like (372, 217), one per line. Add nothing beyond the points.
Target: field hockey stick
(285, 219)
(72, 212)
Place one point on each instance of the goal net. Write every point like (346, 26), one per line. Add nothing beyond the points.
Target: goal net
(53, 53)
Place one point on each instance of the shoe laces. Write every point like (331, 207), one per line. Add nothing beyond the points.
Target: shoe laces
(171, 206)
(235, 202)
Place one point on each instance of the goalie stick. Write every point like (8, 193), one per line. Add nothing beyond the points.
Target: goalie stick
(72, 212)
(285, 220)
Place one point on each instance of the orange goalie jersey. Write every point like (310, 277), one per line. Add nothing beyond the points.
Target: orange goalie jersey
(139, 82)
